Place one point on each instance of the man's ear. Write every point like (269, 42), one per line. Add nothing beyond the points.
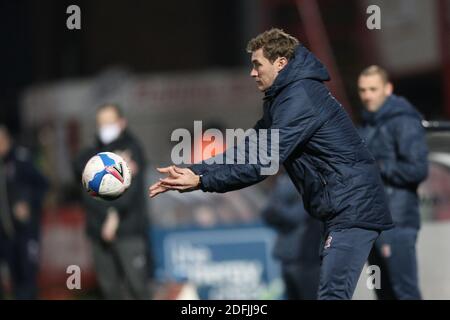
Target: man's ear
(281, 63)
(123, 123)
(389, 88)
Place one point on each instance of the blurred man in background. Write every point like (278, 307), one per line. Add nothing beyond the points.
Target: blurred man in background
(118, 229)
(392, 129)
(22, 191)
(298, 241)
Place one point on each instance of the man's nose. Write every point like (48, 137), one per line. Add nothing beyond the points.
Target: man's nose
(253, 73)
(365, 96)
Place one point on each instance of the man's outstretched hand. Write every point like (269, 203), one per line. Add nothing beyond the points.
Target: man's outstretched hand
(181, 179)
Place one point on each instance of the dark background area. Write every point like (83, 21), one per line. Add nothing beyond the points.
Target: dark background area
(155, 36)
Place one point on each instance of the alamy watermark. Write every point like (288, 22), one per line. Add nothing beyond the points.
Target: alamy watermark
(374, 20)
(74, 280)
(374, 277)
(74, 20)
(258, 147)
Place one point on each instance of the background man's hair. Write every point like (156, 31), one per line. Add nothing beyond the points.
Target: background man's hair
(5, 131)
(4, 128)
(376, 70)
(275, 43)
(113, 106)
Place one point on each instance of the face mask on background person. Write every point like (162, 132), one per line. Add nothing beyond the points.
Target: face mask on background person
(108, 133)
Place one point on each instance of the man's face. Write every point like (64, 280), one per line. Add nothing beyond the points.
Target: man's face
(107, 116)
(373, 91)
(109, 125)
(264, 72)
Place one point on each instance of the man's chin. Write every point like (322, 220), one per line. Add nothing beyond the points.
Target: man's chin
(373, 108)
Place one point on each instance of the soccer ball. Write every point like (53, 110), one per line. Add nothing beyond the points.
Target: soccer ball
(106, 176)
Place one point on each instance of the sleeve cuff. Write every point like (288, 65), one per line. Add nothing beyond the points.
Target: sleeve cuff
(196, 168)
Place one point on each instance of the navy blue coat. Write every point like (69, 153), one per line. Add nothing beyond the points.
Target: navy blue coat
(298, 234)
(24, 183)
(396, 138)
(320, 148)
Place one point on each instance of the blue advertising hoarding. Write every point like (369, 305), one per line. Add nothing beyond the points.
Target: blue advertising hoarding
(222, 262)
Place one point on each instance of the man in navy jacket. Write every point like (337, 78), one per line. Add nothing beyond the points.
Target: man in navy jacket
(393, 131)
(322, 152)
(22, 192)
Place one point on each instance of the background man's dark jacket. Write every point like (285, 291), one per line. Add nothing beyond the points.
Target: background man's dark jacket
(298, 234)
(131, 205)
(396, 138)
(24, 183)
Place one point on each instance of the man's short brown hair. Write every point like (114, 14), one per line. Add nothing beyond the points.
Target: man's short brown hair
(275, 43)
(114, 106)
(376, 70)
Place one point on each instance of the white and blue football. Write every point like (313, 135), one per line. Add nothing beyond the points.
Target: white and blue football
(106, 176)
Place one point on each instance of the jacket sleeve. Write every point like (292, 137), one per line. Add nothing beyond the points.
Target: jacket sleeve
(202, 168)
(411, 164)
(295, 121)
